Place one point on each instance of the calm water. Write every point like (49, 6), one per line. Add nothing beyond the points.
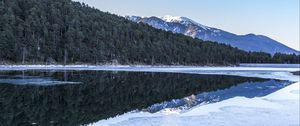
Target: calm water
(71, 98)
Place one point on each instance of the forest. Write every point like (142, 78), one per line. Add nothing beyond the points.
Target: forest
(68, 32)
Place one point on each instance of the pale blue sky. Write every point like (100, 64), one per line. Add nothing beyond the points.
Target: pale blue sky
(278, 19)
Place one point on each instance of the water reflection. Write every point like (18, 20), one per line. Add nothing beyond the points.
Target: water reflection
(99, 95)
(246, 89)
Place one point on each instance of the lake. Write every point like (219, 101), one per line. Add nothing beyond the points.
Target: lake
(70, 98)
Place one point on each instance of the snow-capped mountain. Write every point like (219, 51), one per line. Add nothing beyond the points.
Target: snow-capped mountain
(186, 26)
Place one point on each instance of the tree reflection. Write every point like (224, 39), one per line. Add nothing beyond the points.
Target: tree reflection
(101, 95)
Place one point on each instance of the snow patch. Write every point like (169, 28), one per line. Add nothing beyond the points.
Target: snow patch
(183, 20)
(280, 108)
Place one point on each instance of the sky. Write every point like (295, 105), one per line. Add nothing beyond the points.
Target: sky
(277, 19)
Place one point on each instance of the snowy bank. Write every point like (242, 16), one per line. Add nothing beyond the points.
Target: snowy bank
(280, 108)
(281, 72)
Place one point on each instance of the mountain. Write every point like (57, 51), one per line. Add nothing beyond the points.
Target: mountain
(186, 26)
(68, 32)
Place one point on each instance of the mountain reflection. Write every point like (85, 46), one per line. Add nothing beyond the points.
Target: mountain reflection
(99, 95)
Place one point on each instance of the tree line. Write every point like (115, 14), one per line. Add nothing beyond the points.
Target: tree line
(67, 32)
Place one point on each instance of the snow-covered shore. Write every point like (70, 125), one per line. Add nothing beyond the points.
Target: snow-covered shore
(281, 72)
(277, 109)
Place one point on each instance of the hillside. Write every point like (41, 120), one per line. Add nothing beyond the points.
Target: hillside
(62, 31)
(186, 26)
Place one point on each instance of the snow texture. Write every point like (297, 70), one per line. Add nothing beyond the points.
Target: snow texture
(183, 20)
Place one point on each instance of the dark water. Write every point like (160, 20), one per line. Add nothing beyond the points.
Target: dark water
(70, 98)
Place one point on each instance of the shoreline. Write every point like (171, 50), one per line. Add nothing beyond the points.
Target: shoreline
(281, 73)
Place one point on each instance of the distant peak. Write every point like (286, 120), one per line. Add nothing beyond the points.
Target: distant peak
(183, 20)
(169, 18)
(251, 34)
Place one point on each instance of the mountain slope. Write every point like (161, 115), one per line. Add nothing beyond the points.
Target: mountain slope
(66, 32)
(183, 25)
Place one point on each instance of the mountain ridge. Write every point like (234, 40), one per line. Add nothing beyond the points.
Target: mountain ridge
(189, 27)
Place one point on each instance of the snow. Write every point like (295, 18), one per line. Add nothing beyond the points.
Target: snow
(280, 108)
(216, 31)
(272, 65)
(35, 81)
(183, 20)
(243, 67)
(169, 18)
(264, 102)
(278, 72)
